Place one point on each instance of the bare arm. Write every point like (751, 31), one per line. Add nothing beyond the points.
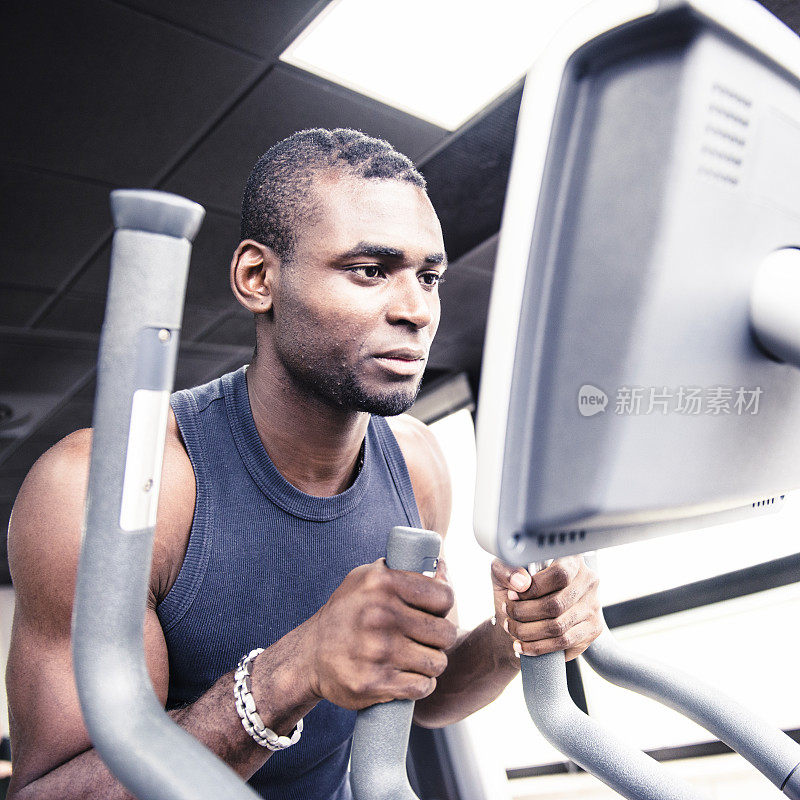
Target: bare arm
(52, 753)
(380, 636)
(558, 609)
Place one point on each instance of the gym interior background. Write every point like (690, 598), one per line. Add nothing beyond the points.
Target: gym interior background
(180, 96)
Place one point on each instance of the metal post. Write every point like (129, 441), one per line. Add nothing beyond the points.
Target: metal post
(768, 749)
(626, 770)
(145, 750)
(380, 739)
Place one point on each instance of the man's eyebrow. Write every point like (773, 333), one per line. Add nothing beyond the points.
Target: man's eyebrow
(370, 250)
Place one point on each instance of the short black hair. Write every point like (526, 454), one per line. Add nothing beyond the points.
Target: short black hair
(277, 195)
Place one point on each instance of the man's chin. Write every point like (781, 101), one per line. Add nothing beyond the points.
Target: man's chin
(387, 403)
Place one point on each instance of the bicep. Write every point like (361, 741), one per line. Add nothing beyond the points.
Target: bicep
(46, 724)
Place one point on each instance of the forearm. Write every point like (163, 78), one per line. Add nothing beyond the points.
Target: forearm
(480, 665)
(281, 701)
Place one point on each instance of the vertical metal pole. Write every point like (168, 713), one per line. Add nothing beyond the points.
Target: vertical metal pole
(380, 739)
(146, 751)
(626, 770)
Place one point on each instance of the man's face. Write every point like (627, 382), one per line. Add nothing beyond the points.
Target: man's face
(357, 309)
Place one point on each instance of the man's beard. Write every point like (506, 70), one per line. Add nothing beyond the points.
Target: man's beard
(336, 383)
(344, 391)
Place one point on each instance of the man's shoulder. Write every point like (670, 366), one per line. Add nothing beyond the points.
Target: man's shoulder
(45, 530)
(427, 468)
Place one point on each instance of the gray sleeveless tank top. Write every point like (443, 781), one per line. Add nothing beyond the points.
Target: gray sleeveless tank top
(262, 558)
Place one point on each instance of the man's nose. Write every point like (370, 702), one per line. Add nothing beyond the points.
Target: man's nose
(411, 303)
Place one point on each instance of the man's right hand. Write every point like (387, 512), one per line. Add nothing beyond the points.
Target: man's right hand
(381, 636)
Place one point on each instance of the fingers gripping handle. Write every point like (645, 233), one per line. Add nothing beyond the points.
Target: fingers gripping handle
(380, 739)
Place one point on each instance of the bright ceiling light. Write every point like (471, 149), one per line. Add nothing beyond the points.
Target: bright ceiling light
(440, 60)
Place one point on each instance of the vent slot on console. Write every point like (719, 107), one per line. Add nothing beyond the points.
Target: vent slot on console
(725, 135)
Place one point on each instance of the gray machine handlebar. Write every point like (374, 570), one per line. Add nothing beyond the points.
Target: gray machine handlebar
(380, 739)
(151, 756)
(768, 749)
(626, 770)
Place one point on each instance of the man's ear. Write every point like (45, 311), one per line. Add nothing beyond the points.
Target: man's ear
(254, 267)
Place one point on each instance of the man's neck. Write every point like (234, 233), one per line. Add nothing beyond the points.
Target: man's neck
(315, 447)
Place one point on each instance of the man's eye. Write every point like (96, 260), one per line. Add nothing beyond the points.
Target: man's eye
(368, 270)
(432, 278)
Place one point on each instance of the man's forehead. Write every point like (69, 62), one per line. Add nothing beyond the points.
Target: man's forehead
(383, 212)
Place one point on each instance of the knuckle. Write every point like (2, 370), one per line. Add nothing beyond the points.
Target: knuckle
(376, 617)
(453, 634)
(499, 571)
(560, 575)
(438, 665)
(375, 581)
(564, 642)
(379, 649)
(557, 627)
(450, 635)
(554, 606)
(447, 596)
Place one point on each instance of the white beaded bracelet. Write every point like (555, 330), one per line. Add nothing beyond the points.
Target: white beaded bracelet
(246, 708)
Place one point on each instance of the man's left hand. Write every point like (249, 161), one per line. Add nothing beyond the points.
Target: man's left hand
(555, 609)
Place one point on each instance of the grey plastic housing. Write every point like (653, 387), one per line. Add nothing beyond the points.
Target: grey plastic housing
(774, 304)
(670, 175)
(143, 748)
(626, 770)
(380, 739)
(768, 749)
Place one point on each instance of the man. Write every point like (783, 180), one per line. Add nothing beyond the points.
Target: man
(280, 485)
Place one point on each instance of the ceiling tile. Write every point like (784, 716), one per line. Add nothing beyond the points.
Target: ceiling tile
(94, 89)
(264, 29)
(48, 224)
(208, 292)
(467, 178)
(38, 371)
(285, 101)
(465, 302)
(236, 328)
(74, 312)
(209, 282)
(196, 366)
(17, 305)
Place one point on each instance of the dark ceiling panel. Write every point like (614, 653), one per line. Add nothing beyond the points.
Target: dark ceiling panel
(208, 293)
(285, 101)
(48, 223)
(786, 10)
(209, 281)
(465, 301)
(18, 304)
(97, 90)
(197, 365)
(467, 178)
(262, 28)
(38, 371)
(236, 329)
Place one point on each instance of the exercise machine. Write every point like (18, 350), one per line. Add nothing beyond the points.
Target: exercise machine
(648, 276)
(649, 242)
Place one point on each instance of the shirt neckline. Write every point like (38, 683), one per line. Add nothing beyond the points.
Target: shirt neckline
(266, 474)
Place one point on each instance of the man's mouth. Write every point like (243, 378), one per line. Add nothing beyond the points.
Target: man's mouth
(402, 361)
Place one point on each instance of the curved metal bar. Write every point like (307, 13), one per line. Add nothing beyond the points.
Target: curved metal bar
(380, 739)
(628, 771)
(768, 749)
(148, 753)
